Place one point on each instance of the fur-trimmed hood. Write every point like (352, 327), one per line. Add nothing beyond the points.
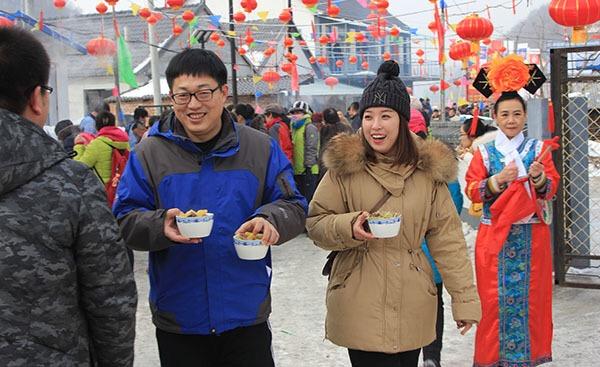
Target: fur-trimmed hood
(345, 155)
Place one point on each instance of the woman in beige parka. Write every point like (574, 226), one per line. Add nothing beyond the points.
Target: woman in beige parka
(381, 298)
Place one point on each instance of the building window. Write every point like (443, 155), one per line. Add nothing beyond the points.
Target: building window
(93, 97)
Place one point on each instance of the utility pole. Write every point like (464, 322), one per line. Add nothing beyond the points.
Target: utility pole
(120, 121)
(442, 77)
(234, 89)
(289, 31)
(154, 62)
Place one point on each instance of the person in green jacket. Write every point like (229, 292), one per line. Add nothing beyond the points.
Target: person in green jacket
(305, 139)
(97, 154)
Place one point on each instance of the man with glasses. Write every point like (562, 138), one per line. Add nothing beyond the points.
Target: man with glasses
(67, 293)
(210, 308)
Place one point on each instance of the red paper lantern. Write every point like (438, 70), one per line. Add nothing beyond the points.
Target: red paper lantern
(577, 14)
(5, 22)
(333, 11)
(242, 51)
(394, 32)
(322, 60)
(386, 56)
(331, 81)
(339, 63)
(152, 19)
(324, 39)
(214, 36)
(249, 40)
(420, 61)
(288, 42)
(382, 6)
(144, 12)
(175, 4)
(269, 51)
(359, 37)
(188, 16)
(372, 5)
(432, 26)
(239, 17)
(457, 82)
(365, 65)
(291, 57)
(101, 46)
(312, 59)
(112, 2)
(102, 8)
(474, 28)
(420, 53)
(177, 30)
(353, 59)
(271, 77)
(486, 41)
(434, 88)
(59, 4)
(287, 67)
(285, 16)
(444, 85)
(310, 3)
(221, 43)
(248, 5)
(460, 51)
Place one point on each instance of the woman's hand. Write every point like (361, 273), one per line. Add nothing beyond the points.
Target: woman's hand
(508, 174)
(358, 231)
(465, 325)
(536, 169)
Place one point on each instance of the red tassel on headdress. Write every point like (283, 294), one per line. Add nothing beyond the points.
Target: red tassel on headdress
(474, 122)
(551, 126)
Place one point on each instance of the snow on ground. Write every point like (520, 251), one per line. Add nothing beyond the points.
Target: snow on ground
(298, 292)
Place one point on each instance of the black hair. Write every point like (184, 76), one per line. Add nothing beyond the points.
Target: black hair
(507, 96)
(244, 110)
(481, 127)
(102, 107)
(196, 62)
(354, 106)
(25, 65)
(140, 113)
(104, 119)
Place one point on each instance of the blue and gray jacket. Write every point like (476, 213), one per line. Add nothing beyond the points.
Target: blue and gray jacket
(205, 288)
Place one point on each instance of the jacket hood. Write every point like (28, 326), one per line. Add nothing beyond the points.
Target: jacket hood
(114, 133)
(345, 155)
(25, 151)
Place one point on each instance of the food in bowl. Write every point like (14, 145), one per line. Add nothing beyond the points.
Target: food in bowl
(195, 223)
(249, 246)
(384, 224)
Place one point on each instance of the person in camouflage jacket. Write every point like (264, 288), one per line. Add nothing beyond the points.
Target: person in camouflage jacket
(67, 293)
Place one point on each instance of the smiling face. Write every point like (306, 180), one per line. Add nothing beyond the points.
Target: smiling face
(201, 120)
(511, 117)
(381, 126)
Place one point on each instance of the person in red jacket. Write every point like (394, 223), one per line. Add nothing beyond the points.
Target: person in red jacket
(278, 129)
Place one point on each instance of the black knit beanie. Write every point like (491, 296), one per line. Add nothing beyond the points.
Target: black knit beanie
(387, 90)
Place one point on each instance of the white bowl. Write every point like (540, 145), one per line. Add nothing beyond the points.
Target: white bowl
(250, 249)
(385, 228)
(195, 227)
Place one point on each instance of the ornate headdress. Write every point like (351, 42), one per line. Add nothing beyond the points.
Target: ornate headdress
(508, 74)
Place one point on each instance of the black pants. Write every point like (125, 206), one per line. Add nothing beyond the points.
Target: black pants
(359, 358)
(307, 184)
(242, 347)
(434, 350)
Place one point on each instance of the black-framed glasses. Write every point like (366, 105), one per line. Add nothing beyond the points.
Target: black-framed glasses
(47, 88)
(202, 95)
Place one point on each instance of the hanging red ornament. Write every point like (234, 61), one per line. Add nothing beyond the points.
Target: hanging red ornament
(312, 59)
(144, 12)
(152, 19)
(285, 16)
(372, 5)
(382, 6)
(324, 39)
(177, 30)
(248, 5)
(333, 11)
(353, 59)
(444, 85)
(188, 16)
(576, 14)
(291, 57)
(249, 39)
(175, 4)
(359, 37)
(486, 41)
(331, 81)
(287, 67)
(269, 51)
(5, 22)
(420, 53)
(101, 46)
(420, 61)
(394, 32)
(239, 17)
(221, 43)
(457, 82)
(365, 65)
(214, 36)
(112, 2)
(242, 51)
(434, 88)
(460, 51)
(271, 77)
(474, 28)
(288, 42)
(59, 4)
(102, 8)
(310, 3)
(322, 60)
(339, 63)
(432, 26)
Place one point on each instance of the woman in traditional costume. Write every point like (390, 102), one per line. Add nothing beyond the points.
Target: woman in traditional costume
(514, 177)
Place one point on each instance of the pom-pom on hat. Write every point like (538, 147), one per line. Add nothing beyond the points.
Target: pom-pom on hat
(387, 90)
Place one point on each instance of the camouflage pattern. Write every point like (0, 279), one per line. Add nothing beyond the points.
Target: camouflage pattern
(67, 293)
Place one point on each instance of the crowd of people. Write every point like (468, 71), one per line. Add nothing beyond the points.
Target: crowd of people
(68, 292)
